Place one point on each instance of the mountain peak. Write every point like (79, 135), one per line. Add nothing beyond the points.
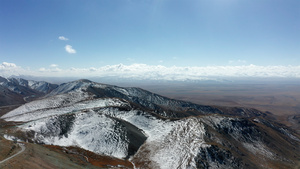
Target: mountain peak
(84, 80)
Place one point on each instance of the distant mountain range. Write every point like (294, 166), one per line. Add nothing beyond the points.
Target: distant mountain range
(18, 91)
(147, 129)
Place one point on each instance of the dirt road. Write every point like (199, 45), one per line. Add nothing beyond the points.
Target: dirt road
(22, 150)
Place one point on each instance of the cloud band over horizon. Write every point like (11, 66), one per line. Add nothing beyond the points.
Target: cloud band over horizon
(155, 72)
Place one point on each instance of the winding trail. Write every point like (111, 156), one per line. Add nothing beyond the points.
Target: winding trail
(22, 149)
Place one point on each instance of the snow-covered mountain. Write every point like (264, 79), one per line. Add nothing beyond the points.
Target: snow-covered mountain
(153, 131)
(14, 85)
(19, 91)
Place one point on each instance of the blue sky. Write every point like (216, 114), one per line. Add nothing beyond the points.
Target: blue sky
(191, 33)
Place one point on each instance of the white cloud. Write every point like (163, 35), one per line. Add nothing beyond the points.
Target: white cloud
(53, 68)
(56, 70)
(156, 72)
(53, 65)
(42, 69)
(6, 65)
(92, 69)
(8, 69)
(70, 49)
(63, 38)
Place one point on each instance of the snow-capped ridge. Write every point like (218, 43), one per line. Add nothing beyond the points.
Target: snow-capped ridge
(20, 85)
(77, 85)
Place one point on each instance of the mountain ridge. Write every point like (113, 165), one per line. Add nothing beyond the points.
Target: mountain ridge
(153, 131)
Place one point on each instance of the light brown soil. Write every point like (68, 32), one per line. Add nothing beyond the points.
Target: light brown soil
(84, 156)
(52, 157)
(7, 148)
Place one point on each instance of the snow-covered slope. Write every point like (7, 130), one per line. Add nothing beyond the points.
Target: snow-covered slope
(89, 130)
(177, 148)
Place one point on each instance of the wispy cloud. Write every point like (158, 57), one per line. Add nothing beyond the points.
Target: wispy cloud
(63, 38)
(130, 59)
(47, 72)
(70, 49)
(53, 65)
(239, 62)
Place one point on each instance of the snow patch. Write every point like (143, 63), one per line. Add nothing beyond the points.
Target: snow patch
(11, 138)
(259, 148)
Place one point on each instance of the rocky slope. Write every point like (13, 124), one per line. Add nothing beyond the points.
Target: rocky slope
(153, 131)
